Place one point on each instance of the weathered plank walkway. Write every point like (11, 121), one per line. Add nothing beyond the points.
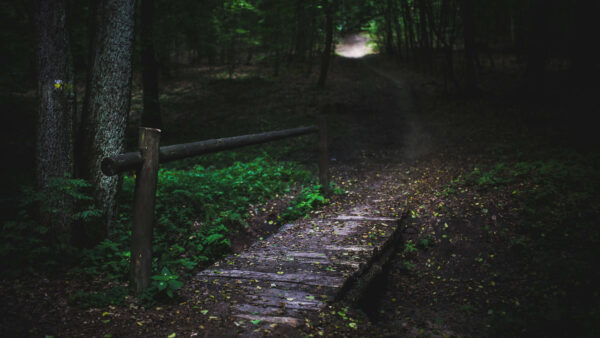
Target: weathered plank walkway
(304, 265)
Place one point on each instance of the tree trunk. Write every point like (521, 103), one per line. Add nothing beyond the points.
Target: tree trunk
(537, 45)
(151, 113)
(424, 36)
(408, 29)
(398, 28)
(389, 35)
(54, 154)
(326, 57)
(582, 56)
(107, 103)
(301, 29)
(469, 36)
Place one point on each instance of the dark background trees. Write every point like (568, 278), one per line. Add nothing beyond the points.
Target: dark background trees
(85, 56)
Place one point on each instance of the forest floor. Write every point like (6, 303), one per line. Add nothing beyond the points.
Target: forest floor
(500, 236)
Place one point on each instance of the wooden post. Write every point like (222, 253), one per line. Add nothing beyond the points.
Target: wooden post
(143, 209)
(323, 155)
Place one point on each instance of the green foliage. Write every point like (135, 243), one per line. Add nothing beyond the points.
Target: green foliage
(496, 175)
(26, 244)
(197, 210)
(164, 285)
(308, 199)
(409, 247)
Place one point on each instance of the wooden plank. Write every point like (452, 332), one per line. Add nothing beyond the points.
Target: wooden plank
(299, 278)
(352, 248)
(296, 304)
(365, 218)
(294, 322)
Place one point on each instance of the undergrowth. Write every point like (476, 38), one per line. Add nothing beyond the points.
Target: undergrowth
(197, 211)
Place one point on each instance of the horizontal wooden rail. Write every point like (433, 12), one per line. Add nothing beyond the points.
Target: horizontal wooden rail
(133, 161)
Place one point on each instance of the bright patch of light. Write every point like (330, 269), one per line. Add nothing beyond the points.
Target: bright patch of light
(354, 46)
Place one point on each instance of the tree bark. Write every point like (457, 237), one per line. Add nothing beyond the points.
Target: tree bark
(54, 152)
(326, 57)
(107, 103)
(151, 113)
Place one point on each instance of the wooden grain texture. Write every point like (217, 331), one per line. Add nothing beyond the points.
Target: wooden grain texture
(143, 209)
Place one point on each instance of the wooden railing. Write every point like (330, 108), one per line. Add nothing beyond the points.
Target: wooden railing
(146, 160)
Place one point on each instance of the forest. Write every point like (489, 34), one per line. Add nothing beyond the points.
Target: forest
(432, 168)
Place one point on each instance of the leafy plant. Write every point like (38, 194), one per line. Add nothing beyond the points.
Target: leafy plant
(308, 199)
(166, 282)
(409, 247)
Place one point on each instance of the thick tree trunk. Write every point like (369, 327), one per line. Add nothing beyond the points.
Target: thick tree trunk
(151, 113)
(56, 107)
(326, 57)
(107, 103)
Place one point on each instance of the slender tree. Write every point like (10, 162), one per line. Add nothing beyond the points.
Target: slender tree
(56, 106)
(151, 113)
(582, 56)
(107, 102)
(469, 37)
(397, 27)
(326, 56)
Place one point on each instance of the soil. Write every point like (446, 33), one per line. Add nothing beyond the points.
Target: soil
(399, 134)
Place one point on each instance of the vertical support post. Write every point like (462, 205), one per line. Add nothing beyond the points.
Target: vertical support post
(143, 209)
(323, 154)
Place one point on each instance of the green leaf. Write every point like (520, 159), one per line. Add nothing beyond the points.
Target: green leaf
(175, 284)
(256, 322)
